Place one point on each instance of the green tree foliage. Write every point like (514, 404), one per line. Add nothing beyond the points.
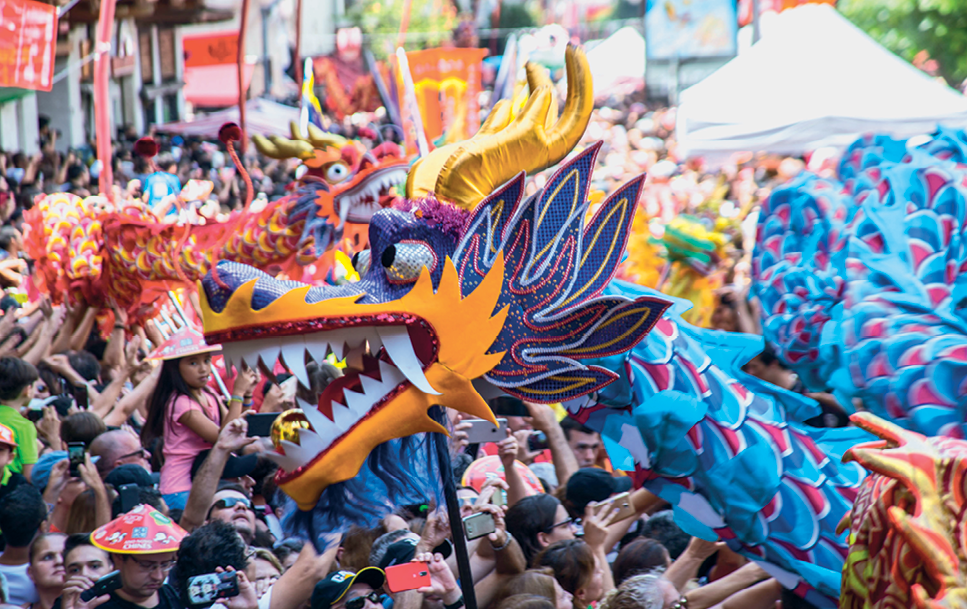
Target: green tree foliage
(431, 23)
(907, 27)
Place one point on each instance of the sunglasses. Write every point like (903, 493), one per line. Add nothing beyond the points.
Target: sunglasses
(138, 453)
(229, 502)
(359, 602)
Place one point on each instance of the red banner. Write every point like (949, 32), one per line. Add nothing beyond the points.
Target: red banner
(447, 84)
(210, 49)
(27, 44)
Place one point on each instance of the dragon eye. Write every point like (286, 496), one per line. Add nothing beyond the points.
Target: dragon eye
(361, 261)
(337, 172)
(404, 261)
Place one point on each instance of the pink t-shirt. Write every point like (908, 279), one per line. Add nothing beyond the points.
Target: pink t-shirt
(182, 444)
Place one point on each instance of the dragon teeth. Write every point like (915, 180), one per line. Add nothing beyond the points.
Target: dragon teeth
(294, 355)
(396, 340)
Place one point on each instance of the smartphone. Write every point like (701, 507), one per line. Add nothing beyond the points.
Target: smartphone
(537, 441)
(482, 431)
(408, 576)
(130, 497)
(622, 502)
(499, 497)
(75, 453)
(478, 525)
(106, 585)
(260, 425)
(206, 589)
(81, 397)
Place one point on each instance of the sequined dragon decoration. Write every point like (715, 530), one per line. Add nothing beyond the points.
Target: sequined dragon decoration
(862, 282)
(471, 288)
(93, 251)
(908, 537)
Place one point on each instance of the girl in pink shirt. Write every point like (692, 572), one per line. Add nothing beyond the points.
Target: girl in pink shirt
(186, 413)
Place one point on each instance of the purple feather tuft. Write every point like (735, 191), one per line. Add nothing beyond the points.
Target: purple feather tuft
(443, 216)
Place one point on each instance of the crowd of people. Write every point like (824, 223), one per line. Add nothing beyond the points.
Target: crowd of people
(103, 443)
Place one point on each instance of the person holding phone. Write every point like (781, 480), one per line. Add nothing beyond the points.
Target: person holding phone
(143, 545)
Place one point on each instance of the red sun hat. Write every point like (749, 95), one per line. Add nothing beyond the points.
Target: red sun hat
(482, 469)
(143, 530)
(186, 341)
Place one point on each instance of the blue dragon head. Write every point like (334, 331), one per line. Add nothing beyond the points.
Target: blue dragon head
(468, 286)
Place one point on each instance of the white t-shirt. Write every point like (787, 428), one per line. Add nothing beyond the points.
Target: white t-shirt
(20, 588)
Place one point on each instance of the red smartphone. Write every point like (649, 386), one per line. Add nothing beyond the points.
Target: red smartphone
(408, 576)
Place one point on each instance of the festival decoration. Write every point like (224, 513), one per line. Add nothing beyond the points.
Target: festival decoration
(907, 525)
(143, 530)
(92, 251)
(681, 263)
(861, 280)
(468, 284)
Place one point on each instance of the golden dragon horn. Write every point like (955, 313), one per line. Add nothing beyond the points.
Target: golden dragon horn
(464, 173)
(322, 139)
(276, 147)
(538, 76)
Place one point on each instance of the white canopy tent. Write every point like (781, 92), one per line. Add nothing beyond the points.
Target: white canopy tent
(262, 117)
(813, 80)
(618, 63)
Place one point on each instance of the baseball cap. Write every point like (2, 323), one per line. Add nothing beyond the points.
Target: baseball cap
(590, 484)
(129, 473)
(6, 436)
(334, 586)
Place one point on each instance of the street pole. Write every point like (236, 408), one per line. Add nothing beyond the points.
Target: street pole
(756, 32)
(266, 62)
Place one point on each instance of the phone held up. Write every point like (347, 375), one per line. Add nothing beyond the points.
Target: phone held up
(408, 576)
(622, 502)
(260, 425)
(75, 454)
(478, 525)
(106, 585)
(206, 589)
(482, 431)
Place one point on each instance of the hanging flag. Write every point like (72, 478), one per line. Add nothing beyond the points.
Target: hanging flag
(311, 110)
(410, 108)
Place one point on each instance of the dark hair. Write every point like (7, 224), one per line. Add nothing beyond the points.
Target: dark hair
(36, 542)
(279, 379)
(528, 517)
(75, 171)
(15, 376)
(76, 540)
(569, 425)
(164, 160)
(215, 544)
(640, 556)
(146, 495)
(7, 235)
(170, 384)
(287, 547)
(82, 427)
(768, 356)
(232, 486)
(572, 561)
(55, 385)
(662, 528)
(525, 601)
(22, 511)
(85, 364)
